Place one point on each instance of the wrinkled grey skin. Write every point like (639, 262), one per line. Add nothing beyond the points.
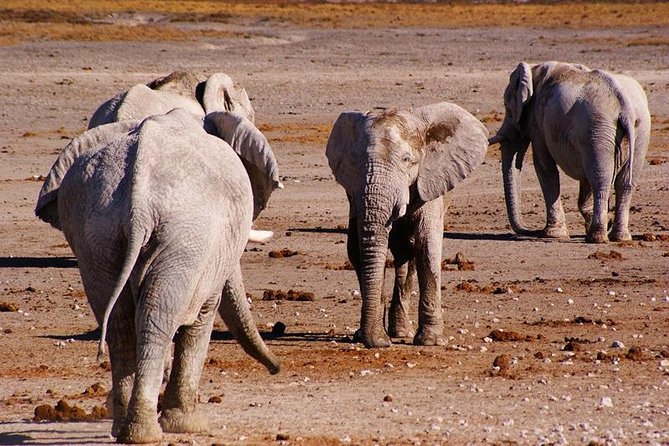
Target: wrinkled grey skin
(592, 124)
(221, 103)
(395, 167)
(158, 230)
(179, 89)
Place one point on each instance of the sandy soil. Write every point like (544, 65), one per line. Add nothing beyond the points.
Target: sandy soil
(586, 327)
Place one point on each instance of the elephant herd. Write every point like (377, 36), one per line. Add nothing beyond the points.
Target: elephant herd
(157, 201)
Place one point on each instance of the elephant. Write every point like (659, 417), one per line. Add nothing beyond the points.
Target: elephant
(576, 119)
(395, 167)
(204, 98)
(180, 89)
(157, 213)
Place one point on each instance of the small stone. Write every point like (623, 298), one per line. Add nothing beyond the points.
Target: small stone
(388, 398)
(606, 402)
(216, 399)
(282, 437)
(617, 344)
(279, 329)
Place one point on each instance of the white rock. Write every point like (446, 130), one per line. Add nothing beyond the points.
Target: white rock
(606, 401)
(617, 344)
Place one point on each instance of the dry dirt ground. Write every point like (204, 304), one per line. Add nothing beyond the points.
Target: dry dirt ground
(585, 327)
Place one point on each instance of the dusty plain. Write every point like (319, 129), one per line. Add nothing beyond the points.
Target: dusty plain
(585, 328)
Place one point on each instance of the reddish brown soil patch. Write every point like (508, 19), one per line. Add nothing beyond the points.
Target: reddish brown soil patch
(290, 295)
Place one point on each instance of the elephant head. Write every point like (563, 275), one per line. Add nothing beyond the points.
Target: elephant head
(185, 90)
(390, 164)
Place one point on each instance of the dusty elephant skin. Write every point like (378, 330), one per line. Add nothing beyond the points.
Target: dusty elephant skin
(592, 124)
(395, 167)
(157, 213)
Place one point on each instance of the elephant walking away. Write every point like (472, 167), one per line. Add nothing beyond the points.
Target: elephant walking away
(158, 213)
(396, 167)
(592, 124)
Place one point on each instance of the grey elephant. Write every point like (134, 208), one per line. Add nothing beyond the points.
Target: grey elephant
(592, 124)
(180, 89)
(395, 167)
(216, 95)
(158, 213)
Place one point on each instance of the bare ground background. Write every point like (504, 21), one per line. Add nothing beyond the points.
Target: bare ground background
(587, 326)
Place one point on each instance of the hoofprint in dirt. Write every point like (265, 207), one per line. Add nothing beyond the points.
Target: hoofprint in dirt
(549, 342)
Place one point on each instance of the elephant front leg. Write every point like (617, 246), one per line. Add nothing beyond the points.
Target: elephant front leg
(549, 180)
(399, 325)
(180, 404)
(429, 236)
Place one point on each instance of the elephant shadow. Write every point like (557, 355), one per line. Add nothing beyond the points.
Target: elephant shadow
(38, 262)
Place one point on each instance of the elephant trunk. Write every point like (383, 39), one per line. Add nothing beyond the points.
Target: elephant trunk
(511, 177)
(378, 210)
(237, 316)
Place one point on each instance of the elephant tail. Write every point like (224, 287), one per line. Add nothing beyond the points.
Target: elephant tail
(628, 123)
(135, 242)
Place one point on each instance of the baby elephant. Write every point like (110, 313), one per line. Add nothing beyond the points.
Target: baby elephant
(395, 167)
(158, 213)
(592, 124)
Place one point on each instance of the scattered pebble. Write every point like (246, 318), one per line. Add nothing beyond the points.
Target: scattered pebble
(606, 402)
(617, 344)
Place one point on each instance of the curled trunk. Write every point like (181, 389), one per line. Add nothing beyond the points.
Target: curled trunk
(237, 316)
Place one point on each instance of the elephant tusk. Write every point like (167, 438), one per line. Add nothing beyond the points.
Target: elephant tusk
(258, 236)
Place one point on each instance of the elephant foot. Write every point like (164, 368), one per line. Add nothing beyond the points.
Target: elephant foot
(596, 237)
(377, 339)
(180, 421)
(559, 232)
(140, 432)
(429, 336)
(620, 236)
(400, 327)
(401, 332)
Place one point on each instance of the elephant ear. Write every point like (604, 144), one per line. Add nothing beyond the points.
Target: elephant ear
(343, 148)
(253, 149)
(519, 92)
(47, 200)
(455, 144)
(221, 93)
(141, 102)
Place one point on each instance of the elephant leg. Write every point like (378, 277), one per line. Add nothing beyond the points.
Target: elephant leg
(549, 180)
(597, 233)
(122, 342)
(585, 202)
(620, 229)
(429, 237)
(180, 412)
(399, 325)
(153, 339)
(402, 246)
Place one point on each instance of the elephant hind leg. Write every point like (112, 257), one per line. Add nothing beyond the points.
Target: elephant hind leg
(180, 413)
(620, 231)
(399, 325)
(585, 202)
